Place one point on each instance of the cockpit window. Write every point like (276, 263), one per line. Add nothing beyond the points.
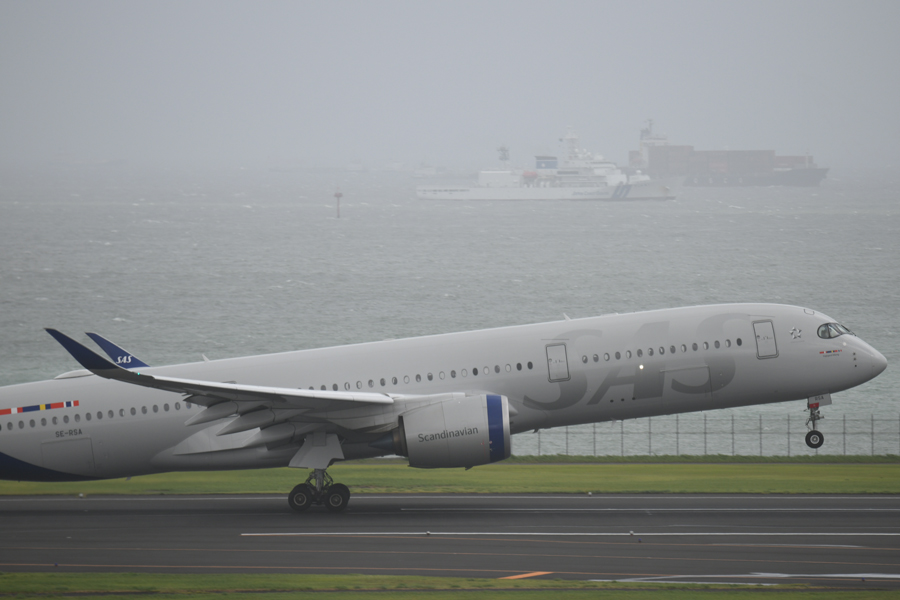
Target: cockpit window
(832, 330)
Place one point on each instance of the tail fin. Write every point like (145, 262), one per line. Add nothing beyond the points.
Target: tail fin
(120, 356)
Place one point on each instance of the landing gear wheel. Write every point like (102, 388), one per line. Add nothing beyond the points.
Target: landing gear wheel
(337, 497)
(815, 439)
(301, 497)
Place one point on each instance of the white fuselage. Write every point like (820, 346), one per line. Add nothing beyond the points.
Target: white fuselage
(605, 368)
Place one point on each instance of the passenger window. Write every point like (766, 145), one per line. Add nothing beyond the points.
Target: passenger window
(518, 366)
(649, 351)
(371, 383)
(66, 419)
(143, 410)
(418, 378)
(596, 358)
(739, 342)
(628, 354)
(606, 356)
(475, 371)
(453, 374)
(496, 368)
(394, 380)
(728, 343)
(155, 408)
(672, 349)
(530, 366)
(508, 368)
(441, 374)
(406, 379)
(87, 416)
(430, 377)
(706, 345)
(662, 350)
(381, 381)
(31, 423)
(694, 346)
(717, 344)
(640, 353)
(584, 359)
(464, 373)
(43, 423)
(618, 355)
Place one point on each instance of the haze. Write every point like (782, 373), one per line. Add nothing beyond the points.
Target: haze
(330, 83)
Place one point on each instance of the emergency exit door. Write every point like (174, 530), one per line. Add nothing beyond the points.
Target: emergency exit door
(557, 363)
(765, 339)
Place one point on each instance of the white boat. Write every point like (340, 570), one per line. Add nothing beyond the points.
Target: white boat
(580, 176)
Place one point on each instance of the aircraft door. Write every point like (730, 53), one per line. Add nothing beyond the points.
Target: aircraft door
(765, 339)
(557, 363)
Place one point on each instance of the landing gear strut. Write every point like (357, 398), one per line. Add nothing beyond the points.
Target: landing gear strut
(814, 438)
(319, 488)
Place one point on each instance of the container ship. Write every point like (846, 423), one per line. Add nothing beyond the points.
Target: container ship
(722, 168)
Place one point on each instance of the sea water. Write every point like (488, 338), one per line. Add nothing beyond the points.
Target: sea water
(174, 264)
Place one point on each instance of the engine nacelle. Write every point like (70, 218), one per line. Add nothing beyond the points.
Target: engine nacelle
(459, 432)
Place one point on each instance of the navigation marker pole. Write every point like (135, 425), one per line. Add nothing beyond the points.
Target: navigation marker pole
(338, 195)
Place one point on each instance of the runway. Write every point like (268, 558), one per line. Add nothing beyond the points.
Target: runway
(837, 541)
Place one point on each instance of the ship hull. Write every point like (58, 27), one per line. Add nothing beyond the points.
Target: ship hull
(625, 192)
(793, 177)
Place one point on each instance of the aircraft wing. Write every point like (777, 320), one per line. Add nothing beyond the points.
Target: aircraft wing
(208, 393)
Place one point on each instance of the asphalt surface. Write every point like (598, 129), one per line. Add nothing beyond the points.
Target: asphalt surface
(836, 541)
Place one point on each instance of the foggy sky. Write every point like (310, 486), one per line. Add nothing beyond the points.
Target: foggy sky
(327, 83)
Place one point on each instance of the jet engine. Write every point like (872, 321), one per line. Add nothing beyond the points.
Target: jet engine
(458, 432)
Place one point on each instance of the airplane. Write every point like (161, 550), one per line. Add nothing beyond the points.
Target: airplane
(443, 401)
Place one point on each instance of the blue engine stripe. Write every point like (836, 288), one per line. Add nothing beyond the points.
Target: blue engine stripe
(495, 427)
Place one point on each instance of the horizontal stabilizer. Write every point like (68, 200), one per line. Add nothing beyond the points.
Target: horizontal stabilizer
(119, 355)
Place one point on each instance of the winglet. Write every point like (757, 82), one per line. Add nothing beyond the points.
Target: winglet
(87, 358)
(119, 355)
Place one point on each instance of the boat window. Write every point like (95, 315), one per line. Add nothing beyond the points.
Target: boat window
(832, 330)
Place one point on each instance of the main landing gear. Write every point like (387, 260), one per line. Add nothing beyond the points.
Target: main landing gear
(814, 438)
(319, 488)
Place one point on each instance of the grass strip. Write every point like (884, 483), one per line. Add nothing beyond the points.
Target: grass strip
(111, 585)
(513, 478)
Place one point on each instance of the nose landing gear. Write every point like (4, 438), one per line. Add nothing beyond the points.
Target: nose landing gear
(319, 488)
(814, 438)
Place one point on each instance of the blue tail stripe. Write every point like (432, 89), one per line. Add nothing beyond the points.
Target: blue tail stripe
(495, 427)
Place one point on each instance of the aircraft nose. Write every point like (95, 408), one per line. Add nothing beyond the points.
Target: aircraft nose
(879, 362)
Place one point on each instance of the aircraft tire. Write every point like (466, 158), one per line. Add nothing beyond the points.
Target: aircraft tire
(337, 497)
(300, 498)
(815, 439)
